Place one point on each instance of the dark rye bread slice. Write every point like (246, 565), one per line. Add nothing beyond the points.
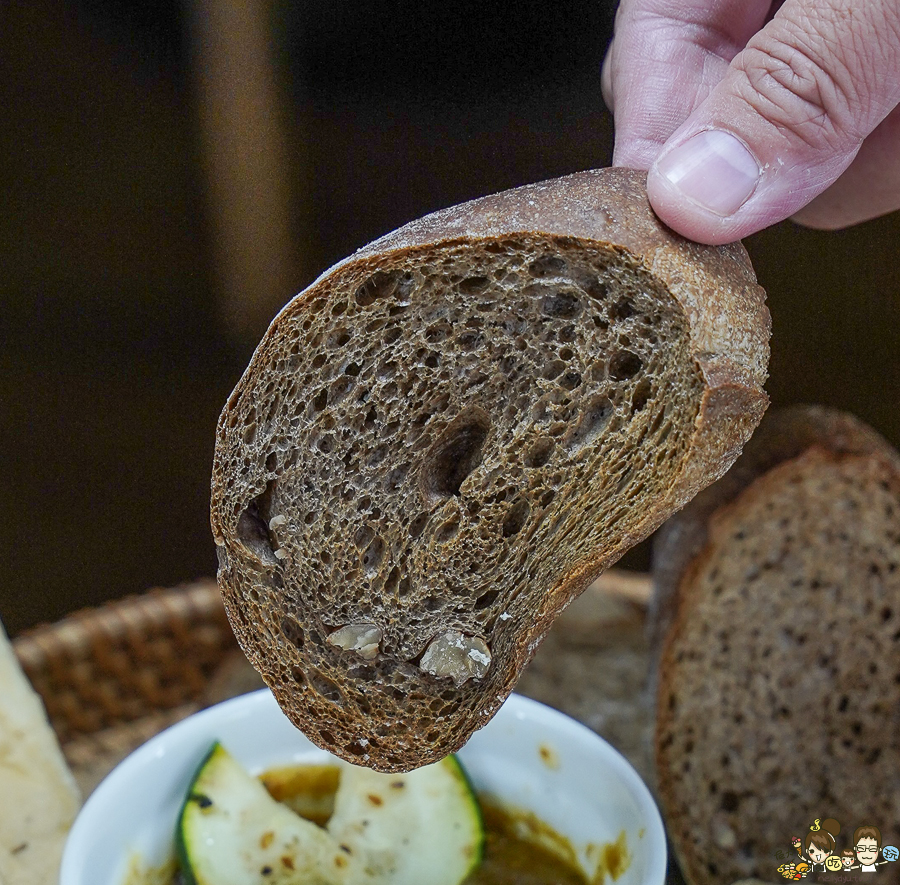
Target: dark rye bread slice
(449, 435)
(779, 680)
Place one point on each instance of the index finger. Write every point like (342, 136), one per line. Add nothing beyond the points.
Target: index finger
(665, 58)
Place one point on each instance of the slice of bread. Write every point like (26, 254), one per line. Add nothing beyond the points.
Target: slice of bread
(778, 698)
(449, 435)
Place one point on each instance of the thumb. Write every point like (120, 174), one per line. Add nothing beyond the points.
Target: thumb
(784, 123)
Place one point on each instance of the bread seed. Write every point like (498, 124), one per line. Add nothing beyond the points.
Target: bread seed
(364, 639)
(457, 656)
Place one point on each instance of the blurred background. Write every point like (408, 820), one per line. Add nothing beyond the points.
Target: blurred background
(173, 172)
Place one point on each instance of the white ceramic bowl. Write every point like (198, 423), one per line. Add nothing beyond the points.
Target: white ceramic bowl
(529, 756)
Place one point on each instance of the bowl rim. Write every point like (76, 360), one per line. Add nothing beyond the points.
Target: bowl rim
(516, 706)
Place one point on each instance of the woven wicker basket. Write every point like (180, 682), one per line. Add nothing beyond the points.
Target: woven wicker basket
(137, 657)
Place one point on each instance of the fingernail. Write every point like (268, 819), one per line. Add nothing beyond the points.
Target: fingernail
(712, 169)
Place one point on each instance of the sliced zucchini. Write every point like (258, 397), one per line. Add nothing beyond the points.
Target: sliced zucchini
(232, 832)
(422, 828)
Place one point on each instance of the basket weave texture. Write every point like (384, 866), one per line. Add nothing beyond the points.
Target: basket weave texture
(137, 657)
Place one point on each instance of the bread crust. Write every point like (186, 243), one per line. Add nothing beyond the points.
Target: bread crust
(729, 328)
(788, 441)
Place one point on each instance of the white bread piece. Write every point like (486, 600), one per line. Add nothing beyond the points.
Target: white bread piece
(779, 679)
(449, 435)
(38, 796)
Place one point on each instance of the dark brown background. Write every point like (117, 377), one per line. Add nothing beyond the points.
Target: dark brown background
(114, 358)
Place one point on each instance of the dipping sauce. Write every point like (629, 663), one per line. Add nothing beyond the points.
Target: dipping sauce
(520, 849)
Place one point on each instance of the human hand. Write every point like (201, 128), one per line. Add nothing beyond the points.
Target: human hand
(746, 112)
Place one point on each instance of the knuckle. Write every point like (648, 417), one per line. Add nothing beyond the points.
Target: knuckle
(801, 90)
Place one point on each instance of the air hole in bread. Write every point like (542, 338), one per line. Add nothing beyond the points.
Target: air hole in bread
(339, 389)
(447, 531)
(548, 266)
(553, 369)
(292, 631)
(438, 332)
(540, 452)
(516, 518)
(486, 600)
(373, 556)
(357, 748)
(379, 285)
(253, 530)
(455, 455)
(594, 418)
(570, 380)
(324, 687)
(561, 304)
(338, 338)
(624, 365)
(641, 395)
(474, 285)
(396, 478)
(417, 525)
(363, 536)
(730, 801)
(622, 309)
(470, 340)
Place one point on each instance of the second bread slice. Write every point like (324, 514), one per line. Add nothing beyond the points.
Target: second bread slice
(779, 679)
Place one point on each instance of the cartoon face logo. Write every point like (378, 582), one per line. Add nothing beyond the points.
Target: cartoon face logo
(820, 850)
(867, 850)
(816, 854)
